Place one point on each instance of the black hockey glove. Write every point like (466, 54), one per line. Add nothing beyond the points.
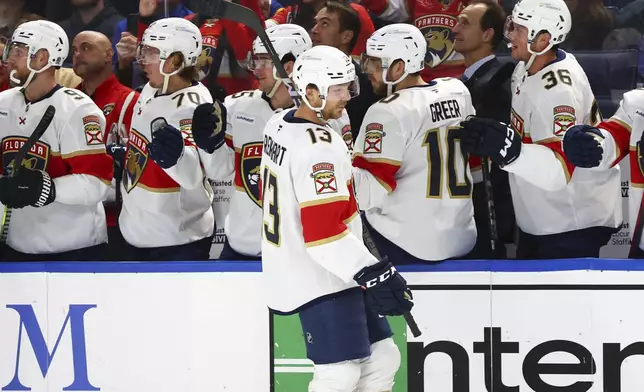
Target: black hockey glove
(29, 188)
(386, 290)
(484, 137)
(582, 146)
(166, 147)
(209, 126)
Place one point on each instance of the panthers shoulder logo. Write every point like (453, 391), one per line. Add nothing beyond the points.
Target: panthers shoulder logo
(205, 59)
(373, 138)
(347, 136)
(437, 30)
(564, 119)
(323, 175)
(107, 109)
(251, 158)
(36, 159)
(136, 160)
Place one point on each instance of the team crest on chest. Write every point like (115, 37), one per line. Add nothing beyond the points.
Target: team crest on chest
(135, 161)
(323, 175)
(107, 109)
(564, 119)
(437, 30)
(251, 158)
(36, 159)
(373, 138)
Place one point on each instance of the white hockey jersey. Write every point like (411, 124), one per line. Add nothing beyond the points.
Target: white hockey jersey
(622, 132)
(549, 194)
(247, 115)
(72, 151)
(312, 234)
(165, 207)
(411, 177)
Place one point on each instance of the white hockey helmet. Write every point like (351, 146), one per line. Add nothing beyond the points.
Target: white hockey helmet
(324, 67)
(538, 16)
(286, 39)
(398, 41)
(172, 35)
(37, 35)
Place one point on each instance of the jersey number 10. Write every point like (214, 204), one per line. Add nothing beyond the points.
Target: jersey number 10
(458, 183)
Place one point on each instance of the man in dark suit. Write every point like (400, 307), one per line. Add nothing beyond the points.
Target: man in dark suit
(478, 33)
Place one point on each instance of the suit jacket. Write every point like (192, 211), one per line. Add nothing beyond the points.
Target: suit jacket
(492, 98)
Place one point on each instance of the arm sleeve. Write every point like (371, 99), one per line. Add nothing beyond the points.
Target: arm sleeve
(328, 211)
(617, 130)
(221, 163)
(188, 172)
(542, 161)
(378, 153)
(83, 153)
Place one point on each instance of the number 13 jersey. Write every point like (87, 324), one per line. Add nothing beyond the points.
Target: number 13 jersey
(412, 180)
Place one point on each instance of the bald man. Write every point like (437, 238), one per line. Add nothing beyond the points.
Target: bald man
(92, 60)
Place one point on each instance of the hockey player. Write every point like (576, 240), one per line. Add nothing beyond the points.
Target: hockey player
(236, 144)
(412, 180)
(167, 212)
(561, 211)
(312, 248)
(603, 147)
(57, 196)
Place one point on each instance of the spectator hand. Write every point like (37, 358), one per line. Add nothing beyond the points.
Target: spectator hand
(582, 145)
(28, 188)
(126, 49)
(485, 137)
(166, 147)
(386, 290)
(148, 7)
(209, 126)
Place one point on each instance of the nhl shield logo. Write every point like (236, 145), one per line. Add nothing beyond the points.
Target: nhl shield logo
(251, 158)
(373, 138)
(323, 175)
(36, 159)
(437, 30)
(135, 161)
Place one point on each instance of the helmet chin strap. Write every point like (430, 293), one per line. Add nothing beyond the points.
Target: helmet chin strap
(32, 74)
(166, 76)
(318, 111)
(533, 56)
(392, 85)
(276, 85)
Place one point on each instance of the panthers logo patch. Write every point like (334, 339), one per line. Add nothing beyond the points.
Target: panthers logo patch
(347, 136)
(135, 161)
(251, 158)
(437, 30)
(323, 175)
(107, 109)
(564, 119)
(205, 59)
(373, 138)
(36, 159)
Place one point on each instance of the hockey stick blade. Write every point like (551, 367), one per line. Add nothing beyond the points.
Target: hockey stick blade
(371, 245)
(238, 13)
(16, 163)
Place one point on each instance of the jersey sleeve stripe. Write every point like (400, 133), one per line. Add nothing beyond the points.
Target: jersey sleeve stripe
(229, 142)
(325, 222)
(557, 149)
(100, 166)
(384, 173)
(623, 124)
(158, 190)
(637, 179)
(323, 201)
(326, 240)
(621, 133)
(387, 161)
(79, 153)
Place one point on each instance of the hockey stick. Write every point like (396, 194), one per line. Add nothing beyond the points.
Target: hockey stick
(240, 14)
(16, 164)
(489, 198)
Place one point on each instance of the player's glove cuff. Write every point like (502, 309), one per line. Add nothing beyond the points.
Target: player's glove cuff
(386, 291)
(209, 126)
(47, 190)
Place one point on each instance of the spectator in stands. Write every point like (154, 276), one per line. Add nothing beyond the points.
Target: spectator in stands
(591, 23)
(337, 24)
(92, 60)
(476, 36)
(96, 15)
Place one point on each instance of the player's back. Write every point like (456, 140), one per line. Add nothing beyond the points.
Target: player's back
(544, 106)
(305, 169)
(409, 143)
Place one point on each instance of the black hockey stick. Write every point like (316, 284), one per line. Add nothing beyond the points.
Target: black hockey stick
(240, 14)
(16, 164)
(489, 198)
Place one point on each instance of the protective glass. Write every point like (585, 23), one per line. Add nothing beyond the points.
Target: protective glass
(147, 55)
(258, 62)
(14, 49)
(370, 64)
(343, 92)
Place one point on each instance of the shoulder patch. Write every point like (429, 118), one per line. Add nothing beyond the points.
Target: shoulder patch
(373, 138)
(323, 175)
(93, 131)
(516, 122)
(564, 118)
(347, 136)
(107, 109)
(185, 126)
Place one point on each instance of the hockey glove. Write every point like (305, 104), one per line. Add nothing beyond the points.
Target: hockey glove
(484, 137)
(386, 290)
(582, 145)
(166, 147)
(29, 188)
(209, 126)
